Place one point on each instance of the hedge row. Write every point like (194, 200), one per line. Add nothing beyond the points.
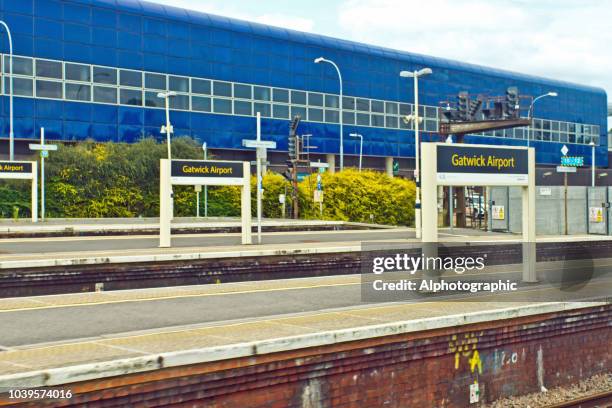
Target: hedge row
(122, 180)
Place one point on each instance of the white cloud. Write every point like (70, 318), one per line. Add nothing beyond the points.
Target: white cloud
(564, 39)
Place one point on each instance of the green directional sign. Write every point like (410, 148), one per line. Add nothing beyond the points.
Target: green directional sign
(572, 161)
(395, 167)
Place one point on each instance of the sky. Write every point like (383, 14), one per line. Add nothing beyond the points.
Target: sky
(561, 39)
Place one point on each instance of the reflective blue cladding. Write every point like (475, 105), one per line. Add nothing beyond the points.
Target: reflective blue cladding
(153, 38)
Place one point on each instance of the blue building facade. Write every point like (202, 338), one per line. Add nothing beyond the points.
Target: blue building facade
(91, 69)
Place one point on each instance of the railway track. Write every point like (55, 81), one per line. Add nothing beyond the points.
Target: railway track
(597, 400)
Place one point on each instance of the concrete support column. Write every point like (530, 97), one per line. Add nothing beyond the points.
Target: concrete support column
(389, 166)
(331, 161)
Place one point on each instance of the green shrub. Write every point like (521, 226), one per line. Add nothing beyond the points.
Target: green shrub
(366, 196)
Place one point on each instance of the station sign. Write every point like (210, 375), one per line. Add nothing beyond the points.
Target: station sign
(572, 161)
(206, 172)
(16, 170)
(476, 165)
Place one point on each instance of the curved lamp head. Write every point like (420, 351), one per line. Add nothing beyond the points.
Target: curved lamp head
(424, 71)
(166, 94)
(320, 59)
(421, 72)
(552, 94)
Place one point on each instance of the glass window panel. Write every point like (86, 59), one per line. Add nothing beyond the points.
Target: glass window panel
(579, 138)
(432, 126)
(332, 101)
(105, 94)
(130, 78)
(77, 72)
(178, 84)
(391, 122)
(155, 81)
(421, 111)
(280, 111)
(546, 135)
(348, 102)
(498, 133)
(200, 86)
(298, 97)
(243, 91)
(332, 116)
(363, 104)
(281, 95)
(554, 136)
(546, 124)
(378, 120)
(563, 138)
(102, 75)
(572, 128)
(222, 89)
(21, 86)
(378, 106)
(405, 125)
(48, 89)
(130, 97)
(391, 108)
(363, 119)
(596, 140)
(263, 108)
(315, 115)
(519, 133)
(595, 130)
(153, 101)
(405, 109)
(78, 92)
(297, 110)
(572, 138)
(563, 126)
(348, 118)
(48, 69)
(222, 105)
(431, 112)
(262, 93)
(180, 102)
(555, 126)
(315, 99)
(243, 108)
(200, 104)
(21, 65)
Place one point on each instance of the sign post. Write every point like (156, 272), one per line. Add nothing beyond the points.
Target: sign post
(44, 152)
(207, 173)
(453, 164)
(261, 151)
(568, 165)
(22, 171)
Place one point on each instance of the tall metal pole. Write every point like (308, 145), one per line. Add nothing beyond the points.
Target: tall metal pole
(168, 126)
(360, 150)
(321, 59)
(11, 134)
(417, 205)
(205, 187)
(42, 175)
(259, 178)
(592, 164)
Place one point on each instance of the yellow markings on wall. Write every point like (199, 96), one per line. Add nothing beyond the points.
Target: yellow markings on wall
(466, 348)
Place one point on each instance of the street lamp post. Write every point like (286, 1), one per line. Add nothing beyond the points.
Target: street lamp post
(205, 148)
(417, 171)
(11, 134)
(168, 129)
(360, 136)
(530, 129)
(317, 61)
(592, 144)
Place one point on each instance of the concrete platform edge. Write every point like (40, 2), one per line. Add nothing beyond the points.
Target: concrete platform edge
(91, 371)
